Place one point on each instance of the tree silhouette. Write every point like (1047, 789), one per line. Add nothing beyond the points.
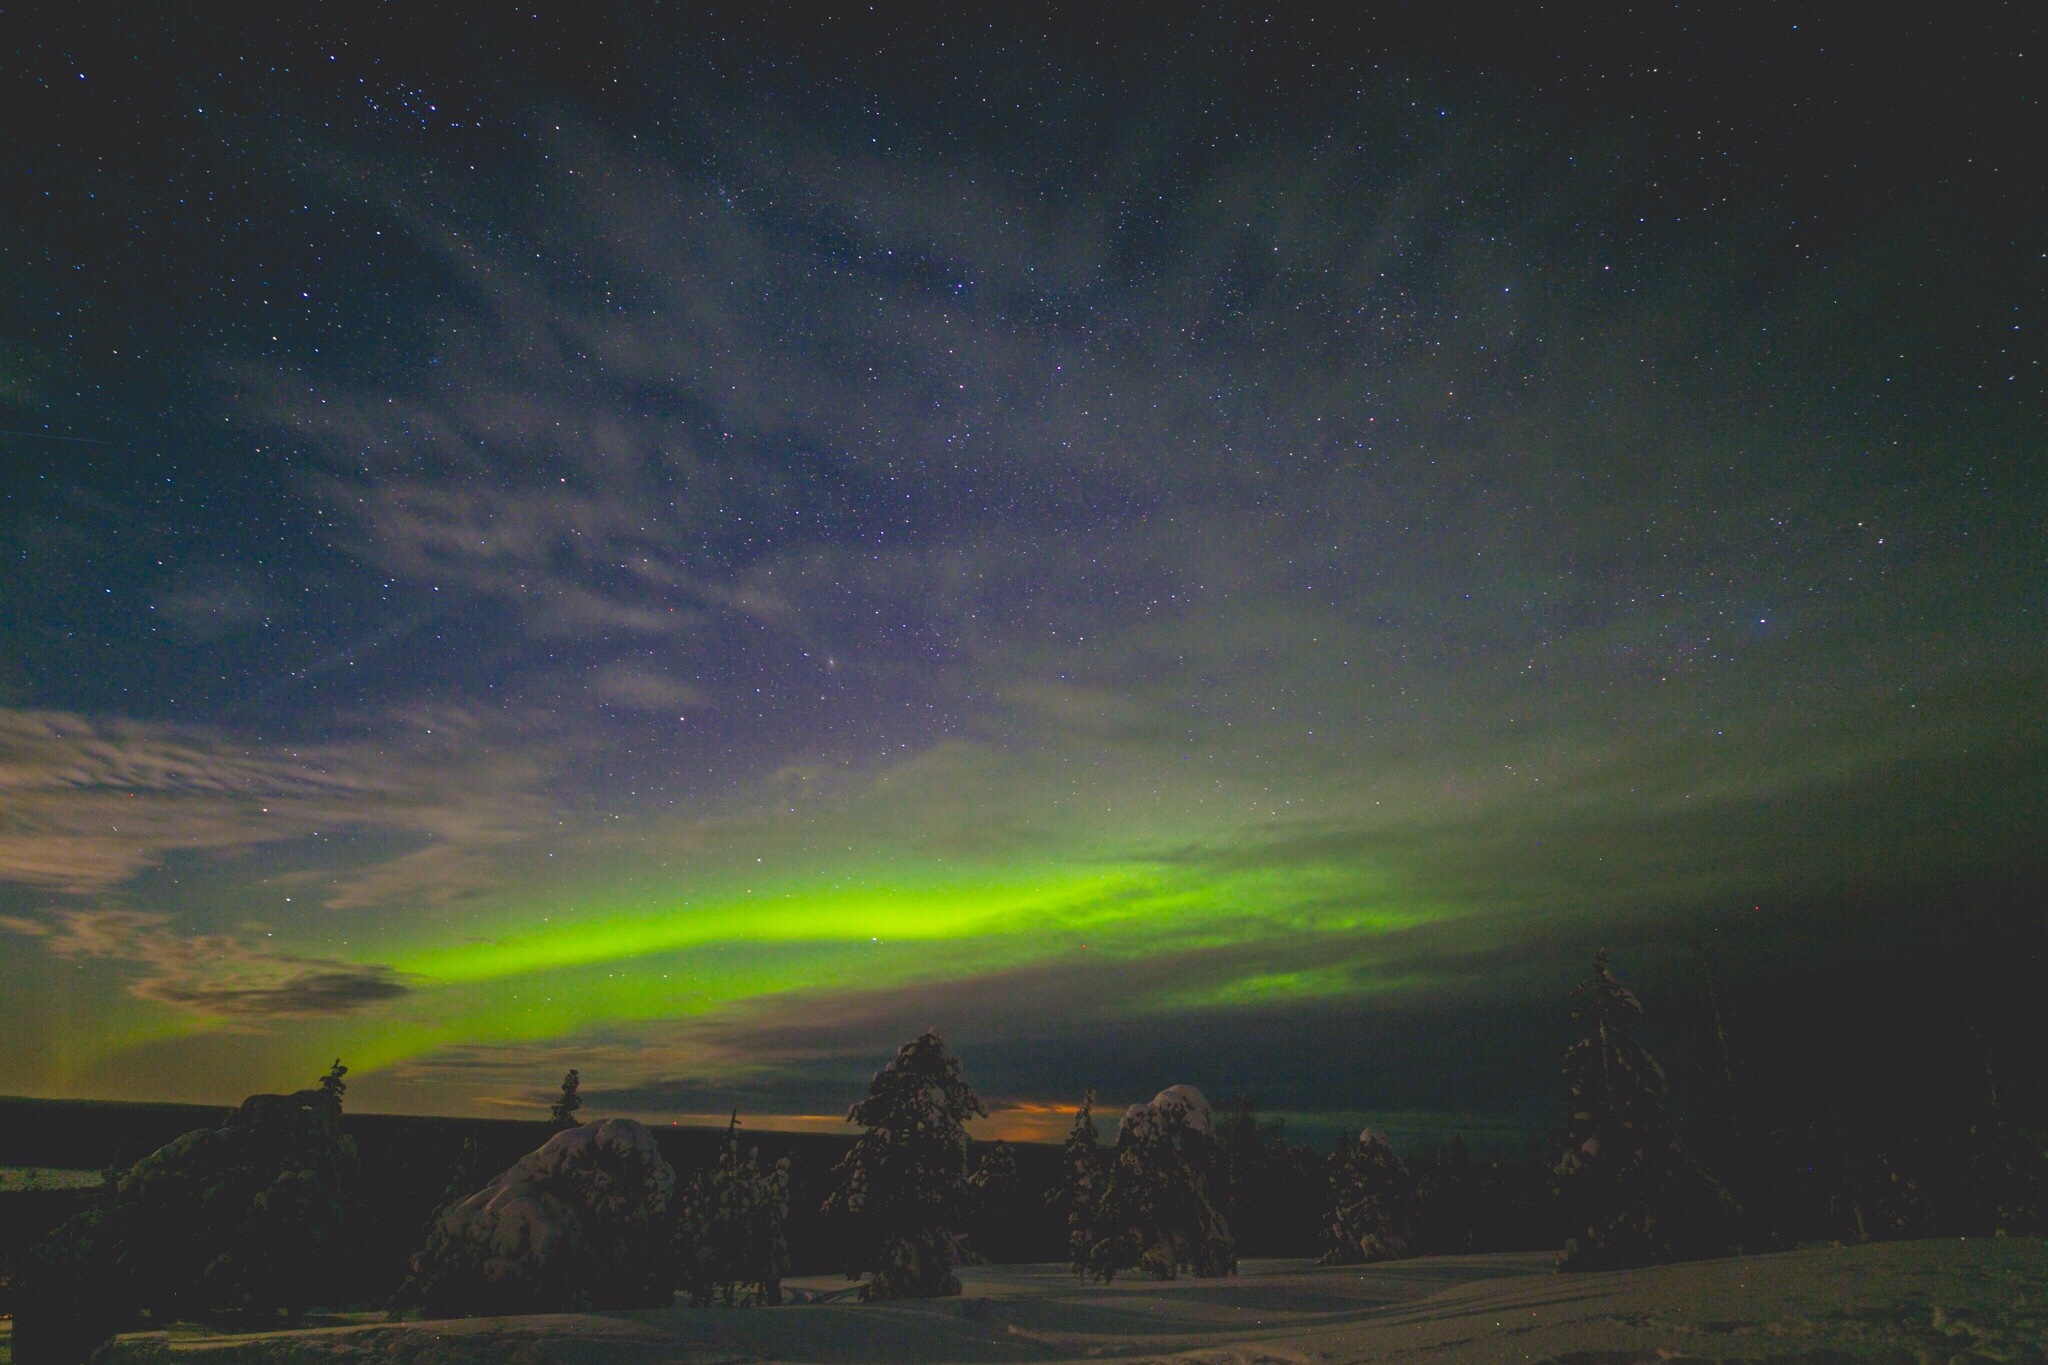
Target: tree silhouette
(1374, 1196)
(563, 1112)
(332, 1087)
(730, 1245)
(1158, 1212)
(1630, 1192)
(1079, 1186)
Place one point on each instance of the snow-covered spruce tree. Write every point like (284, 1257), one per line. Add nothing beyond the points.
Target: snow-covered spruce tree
(730, 1245)
(1629, 1191)
(1158, 1213)
(1079, 1187)
(1372, 1217)
(903, 1188)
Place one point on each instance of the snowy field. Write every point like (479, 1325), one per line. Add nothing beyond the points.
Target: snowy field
(1942, 1301)
(48, 1178)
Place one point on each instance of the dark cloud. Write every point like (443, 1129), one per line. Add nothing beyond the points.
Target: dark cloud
(335, 989)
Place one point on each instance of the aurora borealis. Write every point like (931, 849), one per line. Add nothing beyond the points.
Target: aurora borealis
(1235, 552)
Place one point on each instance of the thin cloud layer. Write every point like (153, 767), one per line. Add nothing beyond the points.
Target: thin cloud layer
(92, 803)
(232, 978)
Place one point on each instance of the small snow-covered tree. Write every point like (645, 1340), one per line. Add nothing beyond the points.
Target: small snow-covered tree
(563, 1111)
(730, 1244)
(903, 1188)
(1373, 1218)
(1629, 1190)
(1158, 1213)
(1079, 1187)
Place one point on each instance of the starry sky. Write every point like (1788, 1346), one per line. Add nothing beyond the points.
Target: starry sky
(1178, 547)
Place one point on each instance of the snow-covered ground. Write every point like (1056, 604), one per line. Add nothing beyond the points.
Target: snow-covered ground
(1977, 1300)
(49, 1178)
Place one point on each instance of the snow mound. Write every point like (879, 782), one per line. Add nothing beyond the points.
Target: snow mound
(579, 1223)
(1174, 1108)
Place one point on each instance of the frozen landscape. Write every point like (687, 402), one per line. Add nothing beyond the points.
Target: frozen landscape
(1940, 1300)
(657, 660)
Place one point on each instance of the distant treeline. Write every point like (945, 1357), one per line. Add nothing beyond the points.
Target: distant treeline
(1799, 1124)
(1275, 1193)
(406, 1162)
(1278, 1195)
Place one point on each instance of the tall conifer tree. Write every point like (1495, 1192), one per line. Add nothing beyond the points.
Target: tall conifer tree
(1630, 1191)
(1079, 1187)
(1158, 1214)
(1374, 1196)
(903, 1188)
(731, 1247)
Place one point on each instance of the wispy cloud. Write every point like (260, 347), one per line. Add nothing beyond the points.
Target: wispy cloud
(227, 977)
(632, 688)
(801, 397)
(88, 803)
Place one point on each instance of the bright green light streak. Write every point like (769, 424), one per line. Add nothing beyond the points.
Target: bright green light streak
(810, 915)
(555, 971)
(1133, 906)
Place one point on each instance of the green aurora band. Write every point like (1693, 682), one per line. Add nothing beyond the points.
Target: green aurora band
(548, 974)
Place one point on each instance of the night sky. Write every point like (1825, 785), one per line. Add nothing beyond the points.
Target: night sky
(1176, 547)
